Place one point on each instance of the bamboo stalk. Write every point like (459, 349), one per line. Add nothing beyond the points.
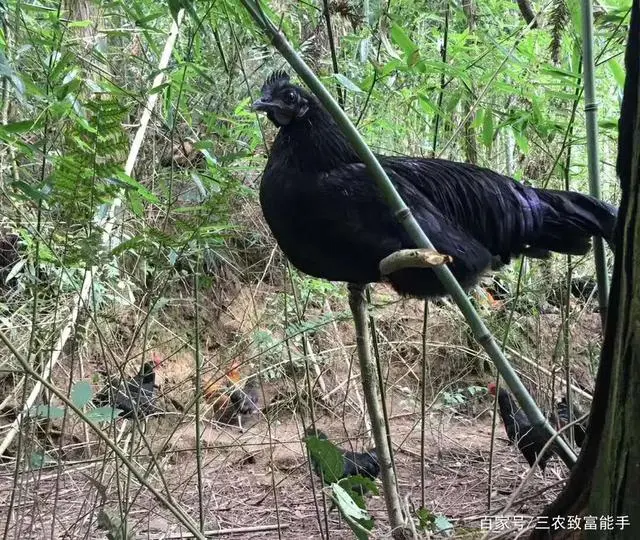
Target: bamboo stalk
(358, 304)
(593, 158)
(406, 219)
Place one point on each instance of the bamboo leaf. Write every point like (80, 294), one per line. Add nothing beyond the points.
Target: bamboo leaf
(401, 39)
(348, 83)
(617, 71)
(487, 128)
(103, 414)
(358, 519)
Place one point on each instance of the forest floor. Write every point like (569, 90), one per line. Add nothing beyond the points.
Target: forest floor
(240, 471)
(260, 478)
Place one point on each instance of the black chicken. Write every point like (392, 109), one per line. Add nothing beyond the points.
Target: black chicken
(244, 401)
(354, 463)
(331, 221)
(562, 416)
(134, 397)
(530, 439)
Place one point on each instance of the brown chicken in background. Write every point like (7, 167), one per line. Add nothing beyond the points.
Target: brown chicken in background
(230, 400)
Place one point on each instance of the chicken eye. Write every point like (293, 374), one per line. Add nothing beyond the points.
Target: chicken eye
(290, 97)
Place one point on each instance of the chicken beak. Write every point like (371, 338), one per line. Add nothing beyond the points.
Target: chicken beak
(261, 105)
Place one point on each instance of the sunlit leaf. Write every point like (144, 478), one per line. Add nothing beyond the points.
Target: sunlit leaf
(617, 71)
(358, 519)
(103, 414)
(401, 39)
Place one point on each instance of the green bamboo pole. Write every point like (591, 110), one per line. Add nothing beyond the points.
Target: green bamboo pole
(593, 158)
(406, 219)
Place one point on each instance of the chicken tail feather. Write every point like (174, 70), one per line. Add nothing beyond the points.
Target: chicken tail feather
(571, 219)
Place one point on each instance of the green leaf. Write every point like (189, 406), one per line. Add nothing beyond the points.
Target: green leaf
(487, 128)
(358, 519)
(562, 74)
(35, 195)
(159, 88)
(452, 100)
(348, 83)
(575, 12)
(358, 481)
(617, 71)
(443, 526)
(400, 38)
(48, 411)
(522, 141)
(81, 393)
(40, 459)
(347, 504)
(135, 203)
(326, 456)
(103, 414)
(142, 191)
(608, 123)
(20, 127)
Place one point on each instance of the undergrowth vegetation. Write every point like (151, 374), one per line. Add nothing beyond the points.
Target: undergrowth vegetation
(120, 240)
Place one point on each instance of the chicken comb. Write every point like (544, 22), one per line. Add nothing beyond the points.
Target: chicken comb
(277, 76)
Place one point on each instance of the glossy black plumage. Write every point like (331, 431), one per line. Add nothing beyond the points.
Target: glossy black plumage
(355, 463)
(134, 396)
(530, 439)
(331, 221)
(580, 428)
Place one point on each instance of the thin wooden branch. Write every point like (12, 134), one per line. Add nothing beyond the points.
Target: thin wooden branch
(222, 532)
(548, 373)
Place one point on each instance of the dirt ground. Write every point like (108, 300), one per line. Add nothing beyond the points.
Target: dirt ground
(256, 481)
(260, 478)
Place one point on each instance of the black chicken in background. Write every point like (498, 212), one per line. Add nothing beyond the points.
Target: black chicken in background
(563, 418)
(530, 439)
(332, 222)
(244, 401)
(364, 464)
(135, 396)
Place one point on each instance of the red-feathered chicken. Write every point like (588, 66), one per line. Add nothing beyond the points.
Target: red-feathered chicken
(231, 401)
(530, 439)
